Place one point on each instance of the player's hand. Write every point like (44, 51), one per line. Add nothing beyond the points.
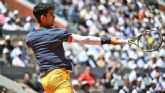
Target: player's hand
(116, 41)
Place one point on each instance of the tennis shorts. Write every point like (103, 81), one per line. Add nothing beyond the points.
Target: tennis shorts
(57, 81)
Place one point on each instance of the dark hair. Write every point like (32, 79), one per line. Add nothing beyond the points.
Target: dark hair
(41, 9)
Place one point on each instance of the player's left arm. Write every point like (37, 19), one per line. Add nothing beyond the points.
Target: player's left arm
(92, 40)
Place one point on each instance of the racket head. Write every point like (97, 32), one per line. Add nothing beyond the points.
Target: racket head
(149, 40)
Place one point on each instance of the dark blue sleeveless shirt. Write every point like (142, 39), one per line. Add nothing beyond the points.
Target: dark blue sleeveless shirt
(47, 45)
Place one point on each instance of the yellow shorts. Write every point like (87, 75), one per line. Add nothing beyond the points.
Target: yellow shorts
(57, 81)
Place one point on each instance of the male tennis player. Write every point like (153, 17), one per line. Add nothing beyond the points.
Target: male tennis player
(46, 42)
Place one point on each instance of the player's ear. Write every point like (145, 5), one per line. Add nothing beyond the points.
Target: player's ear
(42, 18)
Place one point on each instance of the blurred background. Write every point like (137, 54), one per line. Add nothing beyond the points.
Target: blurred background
(97, 69)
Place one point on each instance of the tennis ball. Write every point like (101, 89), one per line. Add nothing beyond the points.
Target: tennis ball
(150, 41)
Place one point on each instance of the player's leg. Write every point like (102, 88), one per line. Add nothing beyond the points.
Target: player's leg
(57, 81)
(65, 87)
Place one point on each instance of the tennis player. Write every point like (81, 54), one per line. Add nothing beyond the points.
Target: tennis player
(46, 42)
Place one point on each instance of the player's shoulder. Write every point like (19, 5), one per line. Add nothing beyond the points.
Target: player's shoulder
(46, 31)
(31, 33)
(59, 31)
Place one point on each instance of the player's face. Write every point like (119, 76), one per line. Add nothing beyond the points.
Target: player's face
(50, 18)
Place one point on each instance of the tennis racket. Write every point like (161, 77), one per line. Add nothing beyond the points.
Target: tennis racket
(148, 40)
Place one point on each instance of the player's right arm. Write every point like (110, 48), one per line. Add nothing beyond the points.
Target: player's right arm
(92, 40)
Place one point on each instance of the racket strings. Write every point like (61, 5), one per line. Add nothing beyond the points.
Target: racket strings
(149, 41)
